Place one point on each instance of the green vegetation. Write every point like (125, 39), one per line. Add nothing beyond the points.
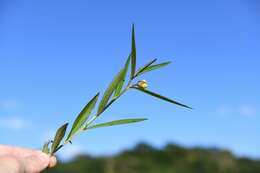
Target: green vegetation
(119, 85)
(171, 159)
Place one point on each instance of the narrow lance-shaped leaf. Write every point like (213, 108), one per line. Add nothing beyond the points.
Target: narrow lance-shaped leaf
(161, 97)
(58, 137)
(109, 91)
(140, 70)
(153, 67)
(45, 148)
(83, 116)
(133, 53)
(121, 84)
(117, 122)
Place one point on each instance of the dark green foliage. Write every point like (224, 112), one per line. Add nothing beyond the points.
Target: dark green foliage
(117, 122)
(171, 159)
(58, 138)
(45, 148)
(109, 91)
(150, 67)
(115, 89)
(133, 54)
(121, 84)
(161, 97)
(142, 69)
(83, 116)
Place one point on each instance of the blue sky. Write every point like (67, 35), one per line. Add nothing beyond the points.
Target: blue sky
(55, 55)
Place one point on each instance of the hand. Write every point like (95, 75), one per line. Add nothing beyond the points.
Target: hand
(21, 160)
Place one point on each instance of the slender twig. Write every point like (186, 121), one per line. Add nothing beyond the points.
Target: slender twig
(128, 86)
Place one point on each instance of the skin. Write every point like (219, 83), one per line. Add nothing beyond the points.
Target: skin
(22, 160)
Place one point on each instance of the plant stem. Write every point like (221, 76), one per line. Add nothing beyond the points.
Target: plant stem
(94, 117)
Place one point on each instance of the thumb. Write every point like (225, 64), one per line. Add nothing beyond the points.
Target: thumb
(36, 162)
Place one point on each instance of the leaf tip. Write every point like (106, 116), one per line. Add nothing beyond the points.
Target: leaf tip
(133, 25)
(191, 108)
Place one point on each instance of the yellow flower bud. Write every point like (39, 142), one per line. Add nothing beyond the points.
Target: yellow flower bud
(142, 84)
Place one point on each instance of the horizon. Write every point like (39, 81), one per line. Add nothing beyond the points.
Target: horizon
(67, 157)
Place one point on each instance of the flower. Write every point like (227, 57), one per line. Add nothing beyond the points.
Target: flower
(142, 84)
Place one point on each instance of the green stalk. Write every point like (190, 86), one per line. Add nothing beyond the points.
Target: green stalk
(84, 121)
(95, 117)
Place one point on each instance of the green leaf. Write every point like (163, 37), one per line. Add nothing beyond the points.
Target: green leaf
(161, 97)
(153, 67)
(117, 122)
(58, 137)
(83, 116)
(45, 148)
(121, 84)
(140, 70)
(133, 53)
(109, 91)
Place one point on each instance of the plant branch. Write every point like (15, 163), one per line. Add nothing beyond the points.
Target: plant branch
(95, 117)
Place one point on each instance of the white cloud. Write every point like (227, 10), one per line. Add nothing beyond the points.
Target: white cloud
(70, 151)
(235, 111)
(14, 123)
(9, 104)
(247, 111)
